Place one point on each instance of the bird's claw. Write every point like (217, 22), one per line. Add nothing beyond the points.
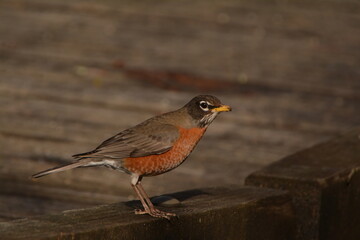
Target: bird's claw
(155, 213)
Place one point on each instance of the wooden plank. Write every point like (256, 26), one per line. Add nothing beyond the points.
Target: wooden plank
(23, 206)
(244, 208)
(279, 33)
(254, 109)
(325, 184)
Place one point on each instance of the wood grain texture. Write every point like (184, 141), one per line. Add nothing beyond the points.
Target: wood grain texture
(73, 73)
(245, 208)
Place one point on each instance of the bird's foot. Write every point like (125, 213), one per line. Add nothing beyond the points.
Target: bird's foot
(155, 213)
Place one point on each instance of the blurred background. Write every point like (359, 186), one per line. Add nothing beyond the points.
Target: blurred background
(73, 73)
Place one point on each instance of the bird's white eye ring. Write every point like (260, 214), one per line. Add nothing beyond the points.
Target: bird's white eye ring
(204, 105)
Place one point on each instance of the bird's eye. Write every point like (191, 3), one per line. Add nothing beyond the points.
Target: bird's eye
(204, 105)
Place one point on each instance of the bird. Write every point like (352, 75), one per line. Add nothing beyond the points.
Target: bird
(152, 147)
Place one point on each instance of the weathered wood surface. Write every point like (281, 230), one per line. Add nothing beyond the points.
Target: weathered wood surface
(73, 73)
(324, 182)
(202, 214)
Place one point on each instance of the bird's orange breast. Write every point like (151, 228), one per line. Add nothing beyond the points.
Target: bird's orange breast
(156, 164)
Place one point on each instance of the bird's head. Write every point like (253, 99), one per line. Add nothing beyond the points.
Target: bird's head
(204, 109)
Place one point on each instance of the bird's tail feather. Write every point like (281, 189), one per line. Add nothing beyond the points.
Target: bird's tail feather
(81, 156)
(59, 169)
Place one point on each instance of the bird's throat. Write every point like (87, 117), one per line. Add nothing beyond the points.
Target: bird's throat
(207, 119)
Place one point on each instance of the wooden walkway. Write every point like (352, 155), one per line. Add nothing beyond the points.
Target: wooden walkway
(73, 73)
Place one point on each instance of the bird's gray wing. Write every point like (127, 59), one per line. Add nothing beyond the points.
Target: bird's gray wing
(142, 140)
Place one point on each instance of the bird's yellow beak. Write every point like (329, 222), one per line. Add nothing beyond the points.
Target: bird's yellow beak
(222, 108)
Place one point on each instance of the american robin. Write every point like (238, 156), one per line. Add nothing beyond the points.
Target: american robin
(153, 147)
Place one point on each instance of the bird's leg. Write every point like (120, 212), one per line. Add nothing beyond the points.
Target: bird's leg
(146, 207)
(135, 179)
(145, 201)
(150, 204)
